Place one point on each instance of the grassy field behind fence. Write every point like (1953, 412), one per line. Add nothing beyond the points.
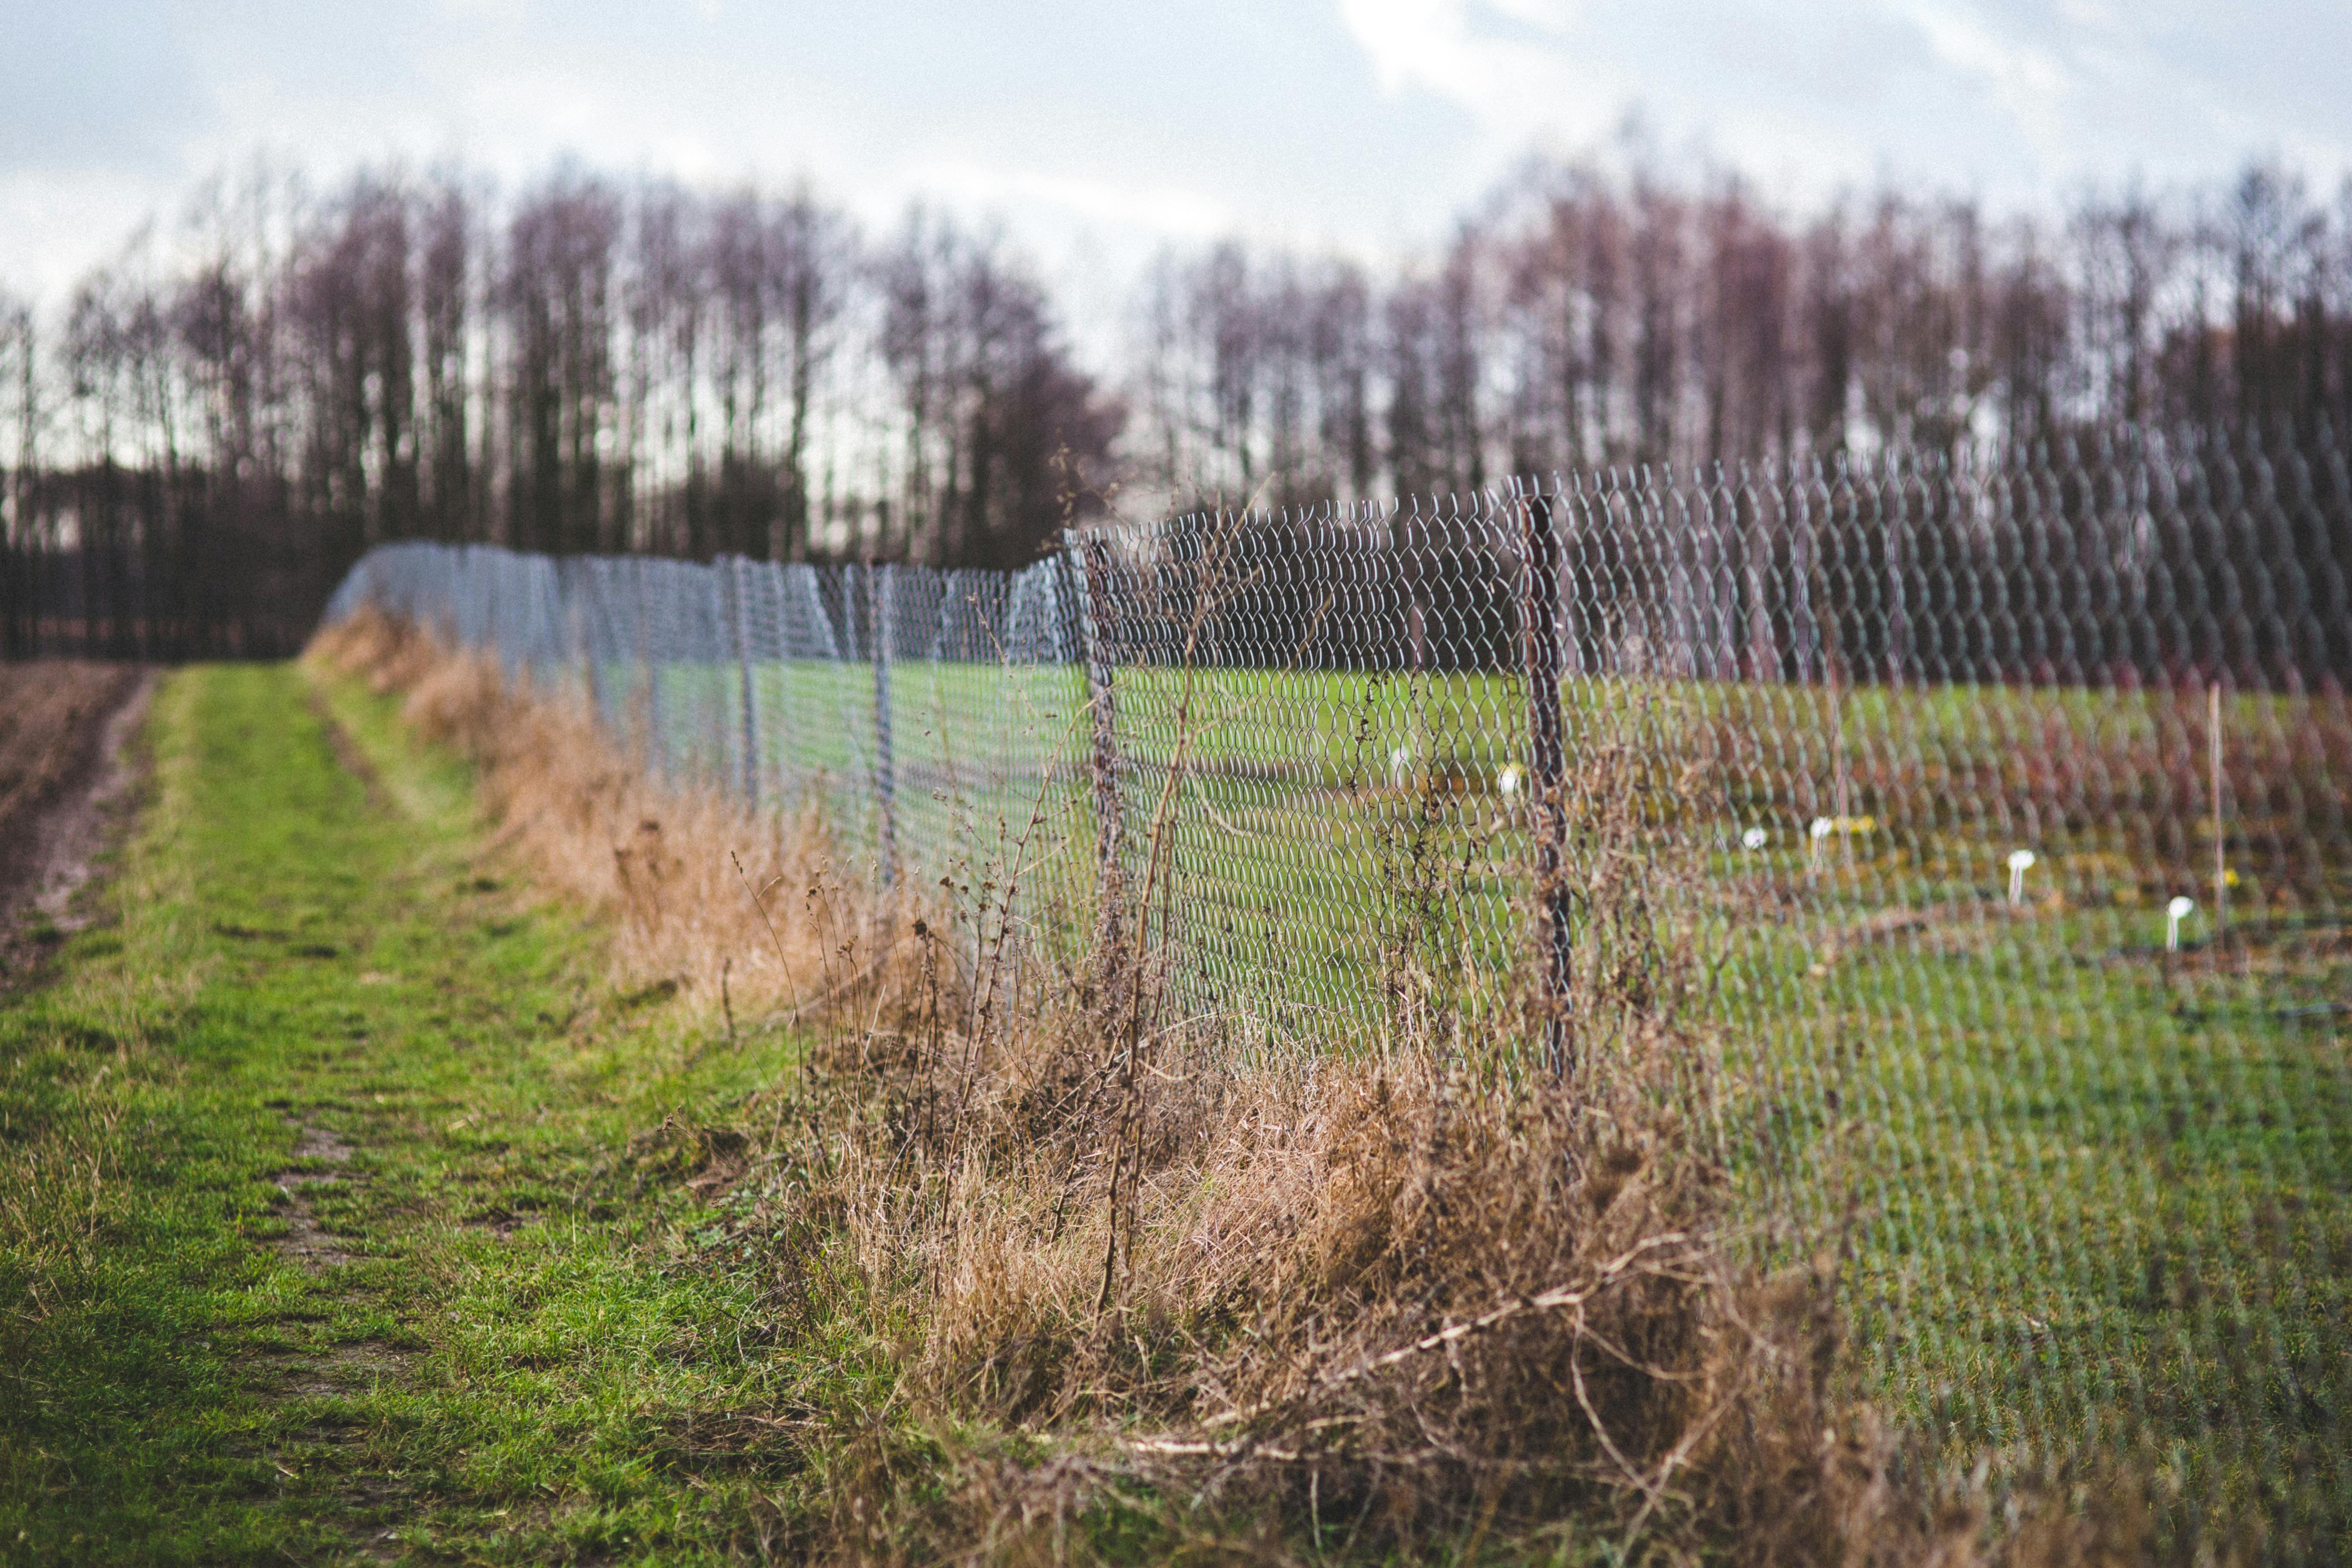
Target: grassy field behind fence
(2093, 1190)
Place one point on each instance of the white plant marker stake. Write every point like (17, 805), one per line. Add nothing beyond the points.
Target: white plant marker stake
(1821, 828)
(1755, 838)
(2019, 862)
(2179, 909)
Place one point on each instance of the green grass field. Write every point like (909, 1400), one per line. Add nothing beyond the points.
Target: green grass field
(2094, 1197)
(322, 1235)
(1329, 823)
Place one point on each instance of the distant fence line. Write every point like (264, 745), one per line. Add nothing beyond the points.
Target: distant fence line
(2004, 803)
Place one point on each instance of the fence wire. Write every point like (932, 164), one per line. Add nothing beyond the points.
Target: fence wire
(1997, 807)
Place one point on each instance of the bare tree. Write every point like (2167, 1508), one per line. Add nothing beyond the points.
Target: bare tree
(208, 434)
(557, 297)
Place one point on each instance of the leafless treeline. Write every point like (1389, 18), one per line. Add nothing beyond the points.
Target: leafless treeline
(195, 447)
(586, 367)
(1585, 317)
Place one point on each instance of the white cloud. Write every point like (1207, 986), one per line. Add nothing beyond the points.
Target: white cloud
(54, 225)
(1172, 211)
(1517, 83)
(1361, 123)
(2021, 100)
(2100, 15)
(2026, 84)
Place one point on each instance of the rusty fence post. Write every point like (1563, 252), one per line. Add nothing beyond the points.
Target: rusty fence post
(1085, 583)
(1540, 636)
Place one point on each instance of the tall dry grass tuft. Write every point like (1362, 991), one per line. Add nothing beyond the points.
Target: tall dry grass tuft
(1410, 1300)
(704, 893)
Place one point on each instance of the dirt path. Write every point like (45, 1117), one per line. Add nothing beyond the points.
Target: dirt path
(313, 1381)
(67, 778)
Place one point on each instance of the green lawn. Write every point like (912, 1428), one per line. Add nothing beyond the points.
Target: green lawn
(517, 1343)
(1334, 830)
(2093, 1197)
(2089, 1209)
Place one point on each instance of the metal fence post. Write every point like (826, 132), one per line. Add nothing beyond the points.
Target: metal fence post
(657, 729)
(2220, 844)
(1546, 764)
(885, 770)
(1086, 578)
(740, 614)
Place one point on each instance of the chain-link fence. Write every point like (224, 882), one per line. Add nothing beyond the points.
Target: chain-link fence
(1988, 814)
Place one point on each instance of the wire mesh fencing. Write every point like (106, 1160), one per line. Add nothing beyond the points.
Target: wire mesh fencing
(1993, 811)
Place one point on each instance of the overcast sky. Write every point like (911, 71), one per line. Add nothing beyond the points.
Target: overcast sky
(1098, 129)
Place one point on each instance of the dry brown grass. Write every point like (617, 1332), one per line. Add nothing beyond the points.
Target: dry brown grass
(1402, 1303)
(676, 870)
(50, 715)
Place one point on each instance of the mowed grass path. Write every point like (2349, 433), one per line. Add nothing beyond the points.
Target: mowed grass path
(322, 1237)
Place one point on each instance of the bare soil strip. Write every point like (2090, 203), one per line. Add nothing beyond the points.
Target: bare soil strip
(305, 1244)
(348, 754)
(335, 1371)
(66, 779)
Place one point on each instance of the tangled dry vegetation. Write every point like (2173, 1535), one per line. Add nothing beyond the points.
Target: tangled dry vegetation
(1141, 1297)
